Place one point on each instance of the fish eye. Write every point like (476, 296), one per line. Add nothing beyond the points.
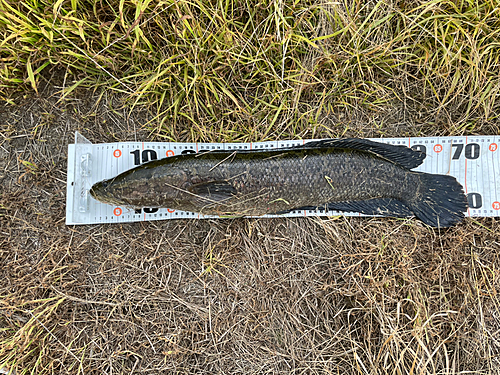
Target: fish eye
(105, 184)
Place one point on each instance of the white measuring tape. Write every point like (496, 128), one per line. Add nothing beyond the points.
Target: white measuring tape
(474, 161)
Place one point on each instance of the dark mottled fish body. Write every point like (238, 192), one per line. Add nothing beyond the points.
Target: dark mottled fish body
(347, 175)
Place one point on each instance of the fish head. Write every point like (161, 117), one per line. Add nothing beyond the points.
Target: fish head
(149, 185)
(106, 192)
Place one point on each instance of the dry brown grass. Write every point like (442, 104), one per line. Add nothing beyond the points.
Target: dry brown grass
(302, 296)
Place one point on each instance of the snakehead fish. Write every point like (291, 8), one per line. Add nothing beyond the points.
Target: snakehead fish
(335, 174)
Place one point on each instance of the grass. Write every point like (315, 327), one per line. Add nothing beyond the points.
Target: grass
(343, 295)
(293, 297)
(246, 70)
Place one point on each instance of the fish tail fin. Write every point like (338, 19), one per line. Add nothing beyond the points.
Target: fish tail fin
(440, 201)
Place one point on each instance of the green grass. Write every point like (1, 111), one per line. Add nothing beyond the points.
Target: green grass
(250, 70)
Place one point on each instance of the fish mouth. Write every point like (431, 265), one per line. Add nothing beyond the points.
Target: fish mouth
(93, 193)
(100, 193)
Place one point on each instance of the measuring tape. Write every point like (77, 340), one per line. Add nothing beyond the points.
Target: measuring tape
(474, 161)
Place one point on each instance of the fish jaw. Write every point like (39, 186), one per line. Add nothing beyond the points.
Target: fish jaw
(102, 192)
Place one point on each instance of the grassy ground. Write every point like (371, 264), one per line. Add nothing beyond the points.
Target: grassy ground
(346, 296)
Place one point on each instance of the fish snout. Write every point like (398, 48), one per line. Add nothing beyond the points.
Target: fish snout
(100, 191)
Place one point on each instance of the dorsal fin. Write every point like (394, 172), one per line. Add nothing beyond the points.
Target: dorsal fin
(401, 155)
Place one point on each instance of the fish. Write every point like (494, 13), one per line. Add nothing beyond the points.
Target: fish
(347, 175)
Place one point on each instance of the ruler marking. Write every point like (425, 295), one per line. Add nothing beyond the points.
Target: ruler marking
(465, 185)
(480, 167)
(101, 172)
(495, 199)
(479, 175)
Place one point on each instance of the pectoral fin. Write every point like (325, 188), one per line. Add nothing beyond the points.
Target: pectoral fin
(214, 191)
